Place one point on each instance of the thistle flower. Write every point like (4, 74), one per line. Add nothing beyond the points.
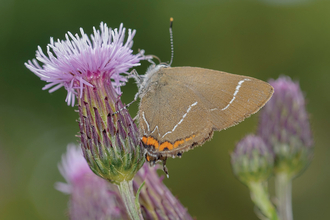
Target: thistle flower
(91, 70)
(91, 197)
(252, 160)
(252, 163)
(284, 126)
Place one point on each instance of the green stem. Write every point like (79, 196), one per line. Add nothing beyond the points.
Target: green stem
(283, 188)
(127, 194)
(260, 197)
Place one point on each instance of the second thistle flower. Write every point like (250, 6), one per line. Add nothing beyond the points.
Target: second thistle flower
(284, 126)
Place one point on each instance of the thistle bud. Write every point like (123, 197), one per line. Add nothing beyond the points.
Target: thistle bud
(284, 126)
(252, 163)
(252, 160)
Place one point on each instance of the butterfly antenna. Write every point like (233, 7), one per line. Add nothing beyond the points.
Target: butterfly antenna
(171, 39)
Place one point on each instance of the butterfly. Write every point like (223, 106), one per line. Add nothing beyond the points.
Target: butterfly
(181, 107)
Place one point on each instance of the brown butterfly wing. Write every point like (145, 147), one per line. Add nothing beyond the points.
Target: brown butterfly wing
(182, 106)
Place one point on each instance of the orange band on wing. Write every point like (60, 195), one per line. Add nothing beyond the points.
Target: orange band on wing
(150, 141)
(166, 145)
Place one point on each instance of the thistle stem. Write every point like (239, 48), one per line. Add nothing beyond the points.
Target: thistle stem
(283, 188)
(127, 194)
(260, 197)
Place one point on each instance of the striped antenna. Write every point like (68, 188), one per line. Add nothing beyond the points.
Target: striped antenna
(171, 39)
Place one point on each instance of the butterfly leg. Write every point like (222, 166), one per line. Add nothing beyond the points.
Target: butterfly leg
(165, 168)
(153, 159)
(135, 118)
(133, 74)
(126, 106)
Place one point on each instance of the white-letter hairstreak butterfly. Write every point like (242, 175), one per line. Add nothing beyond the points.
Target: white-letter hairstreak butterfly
(180, 107)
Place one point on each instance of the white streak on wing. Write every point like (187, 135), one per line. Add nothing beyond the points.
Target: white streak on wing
(145, 120)
(235, 93)
(155, 130)
(188, 110)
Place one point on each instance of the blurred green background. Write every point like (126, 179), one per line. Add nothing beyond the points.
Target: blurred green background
(258, 38)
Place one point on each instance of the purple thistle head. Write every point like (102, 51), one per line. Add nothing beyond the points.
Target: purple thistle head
(90, 69)
(77, 60)
(252, 160)
(91, 197)
(284, 126)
